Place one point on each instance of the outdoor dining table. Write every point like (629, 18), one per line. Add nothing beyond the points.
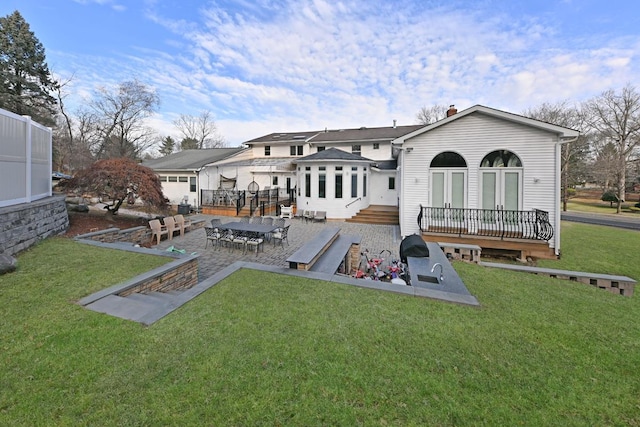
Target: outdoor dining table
(245, 227)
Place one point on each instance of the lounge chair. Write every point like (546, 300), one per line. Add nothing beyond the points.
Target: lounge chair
(171, 225)
(182, 223)
(320, 216)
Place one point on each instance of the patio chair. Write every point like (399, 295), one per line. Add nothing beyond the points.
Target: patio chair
(281, 236)
(320, 216)
(244, 219)
(255, 242)
(240, 241)
(216, 223)
(182, 223)
(255, 220)
(157, 229)
(267, 220)
(226, 237)
(307, 215)
(170, 223)
(212, 236)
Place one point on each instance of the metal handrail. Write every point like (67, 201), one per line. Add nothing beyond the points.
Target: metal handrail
(352, 202)
(533, 224)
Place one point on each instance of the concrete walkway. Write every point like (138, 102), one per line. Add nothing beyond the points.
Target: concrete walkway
(375, 238)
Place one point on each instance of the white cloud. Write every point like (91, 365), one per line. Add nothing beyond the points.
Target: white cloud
(305, 64)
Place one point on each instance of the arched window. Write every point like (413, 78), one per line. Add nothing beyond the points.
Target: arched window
(501, 159)
(448, 176)
(448, 159)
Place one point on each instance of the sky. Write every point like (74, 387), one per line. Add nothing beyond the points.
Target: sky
(263, 66)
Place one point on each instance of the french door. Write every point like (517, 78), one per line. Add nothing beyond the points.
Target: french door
(501, 193)
(448, 190)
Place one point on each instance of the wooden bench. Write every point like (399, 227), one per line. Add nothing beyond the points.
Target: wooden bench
(461, 251)
(308, 254)
(621, 285)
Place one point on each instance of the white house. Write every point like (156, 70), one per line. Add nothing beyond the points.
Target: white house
(480, 176)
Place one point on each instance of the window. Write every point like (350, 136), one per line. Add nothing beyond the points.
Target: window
(501, 159)
(163, 178)
(354, 184)
(338, 168)
(267, 150)
(338, 186)
(322, 185)
(321, 148)
(392, 183)
(292, 150)
(364, 185)
(307, 185)
(274, 180)
(322, 168)
(300, 150)
(182, 179)
(173, 179)
(356, 149)
(376, 146)
(448, 159)
(192, 184)
(296, 150)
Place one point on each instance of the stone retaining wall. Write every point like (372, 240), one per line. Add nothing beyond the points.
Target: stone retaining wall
(167, 278)
(136, 235)
(23, 225)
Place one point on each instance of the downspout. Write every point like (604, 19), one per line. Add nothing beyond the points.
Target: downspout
(558, 185)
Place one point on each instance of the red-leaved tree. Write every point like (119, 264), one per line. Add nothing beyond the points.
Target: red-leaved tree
(118, 180)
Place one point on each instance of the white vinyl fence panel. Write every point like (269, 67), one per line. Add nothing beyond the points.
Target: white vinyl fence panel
(25, 159)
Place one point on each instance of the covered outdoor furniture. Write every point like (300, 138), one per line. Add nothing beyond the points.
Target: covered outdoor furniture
(182, 223)
(157, 229)
(307, 215)
(171, 225)
(286, 211)
(320, 216)
(413, 246)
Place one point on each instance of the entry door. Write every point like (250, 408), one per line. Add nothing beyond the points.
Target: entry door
(448, 190)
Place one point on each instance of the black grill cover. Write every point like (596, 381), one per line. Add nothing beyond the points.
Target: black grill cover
(413, 246)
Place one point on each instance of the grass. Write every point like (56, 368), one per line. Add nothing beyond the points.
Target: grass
(264, 349)
(599, 207)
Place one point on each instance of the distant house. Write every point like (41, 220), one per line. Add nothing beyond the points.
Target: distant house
(182, 174)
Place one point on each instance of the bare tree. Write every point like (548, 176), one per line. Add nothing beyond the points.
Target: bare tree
(616, 119)
(574, 154)
(119, 120)
(428, 115)
(200, 128)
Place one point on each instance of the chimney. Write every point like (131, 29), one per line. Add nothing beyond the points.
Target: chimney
(394, 123)
(452, 110)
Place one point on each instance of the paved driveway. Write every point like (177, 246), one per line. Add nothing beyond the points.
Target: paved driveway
(375, 238)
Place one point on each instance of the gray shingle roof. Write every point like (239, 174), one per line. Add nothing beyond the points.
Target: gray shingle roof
(337, 135)
(190, 159)
(333, 154)
(364, 134)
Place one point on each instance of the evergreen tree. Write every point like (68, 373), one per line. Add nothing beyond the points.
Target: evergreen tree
(167, 147)
(189, 144)
(25, 81)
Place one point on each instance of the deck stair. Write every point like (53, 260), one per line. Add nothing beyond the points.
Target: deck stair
(377, 214)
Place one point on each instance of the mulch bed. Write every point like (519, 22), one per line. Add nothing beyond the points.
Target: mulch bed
(81, 223)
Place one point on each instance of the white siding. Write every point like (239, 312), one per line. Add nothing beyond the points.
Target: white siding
(380, 193)
(473, 137)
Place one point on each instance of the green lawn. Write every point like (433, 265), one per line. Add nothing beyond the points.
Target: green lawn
(264, 349)
(599, 207)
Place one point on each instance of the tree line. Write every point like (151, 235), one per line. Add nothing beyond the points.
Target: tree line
(112, 123)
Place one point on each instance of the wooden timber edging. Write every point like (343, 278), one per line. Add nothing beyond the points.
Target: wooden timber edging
(620, 285)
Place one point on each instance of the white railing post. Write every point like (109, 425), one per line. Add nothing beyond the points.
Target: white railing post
(28, 159)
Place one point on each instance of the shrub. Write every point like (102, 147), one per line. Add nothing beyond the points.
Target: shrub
(609, 196)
